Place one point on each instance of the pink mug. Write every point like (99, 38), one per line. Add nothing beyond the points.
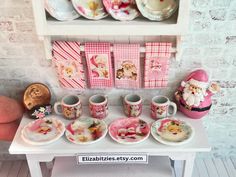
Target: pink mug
(132, 105)
(162, 107)
(98, 106)
(70, 107)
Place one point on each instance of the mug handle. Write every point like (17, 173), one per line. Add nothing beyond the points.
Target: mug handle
(58, 111)
(173, 105)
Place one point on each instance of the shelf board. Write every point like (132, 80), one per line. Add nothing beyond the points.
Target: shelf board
(109, 26)
(157, 166)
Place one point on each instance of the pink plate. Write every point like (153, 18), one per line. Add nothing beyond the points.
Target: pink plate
(129, 130)
(123, 10)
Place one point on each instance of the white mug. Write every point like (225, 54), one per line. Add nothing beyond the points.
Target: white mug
(132, 105)
(70, 107)
(162, 107)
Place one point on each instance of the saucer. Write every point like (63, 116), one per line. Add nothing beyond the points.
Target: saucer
(123, 11)
(62, 10)
(171, 131)
(90, 9)
(129, 130)
(157, 10)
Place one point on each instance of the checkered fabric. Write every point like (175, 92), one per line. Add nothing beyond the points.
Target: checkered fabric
(68, 64)
(98, 59)
(156, 65)
(127, 65)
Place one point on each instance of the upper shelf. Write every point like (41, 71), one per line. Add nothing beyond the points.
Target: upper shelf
(176, 25)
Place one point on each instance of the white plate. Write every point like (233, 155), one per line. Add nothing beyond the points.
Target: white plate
(43, 131)
(86, 131)
(172, 131)
(62, 10)
(90, 9)
(157, 10)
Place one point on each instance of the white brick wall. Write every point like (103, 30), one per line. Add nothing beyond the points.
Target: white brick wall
(210, 43)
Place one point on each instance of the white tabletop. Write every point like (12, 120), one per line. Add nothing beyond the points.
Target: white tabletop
(63, 147)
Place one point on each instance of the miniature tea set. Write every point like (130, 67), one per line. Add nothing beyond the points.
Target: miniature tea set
(193, 98)
(123, 10)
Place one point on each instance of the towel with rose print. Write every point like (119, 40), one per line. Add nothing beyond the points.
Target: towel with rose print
(98, 59)
(127, 65)
(156, 65)
(69, 67)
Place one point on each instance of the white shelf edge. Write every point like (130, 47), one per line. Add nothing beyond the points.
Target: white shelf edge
(158, 167)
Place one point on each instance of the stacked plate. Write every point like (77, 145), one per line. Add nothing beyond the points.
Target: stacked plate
(157, 10)
(123, 10)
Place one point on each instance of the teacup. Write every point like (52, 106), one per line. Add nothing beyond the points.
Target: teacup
(132, 105)
(162, 107)
(98, 106)
(70, 107)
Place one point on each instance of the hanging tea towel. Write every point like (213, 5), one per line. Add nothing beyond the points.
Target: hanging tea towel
(69, 67)
(156, 65)
(98, 59)
(127, 65)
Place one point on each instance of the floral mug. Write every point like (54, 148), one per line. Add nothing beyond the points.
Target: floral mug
(132, 105)
(98, 106)
(70, 107)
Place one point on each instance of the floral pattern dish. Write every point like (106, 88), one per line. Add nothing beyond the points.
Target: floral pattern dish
(129, 130)
(172, 131)
(123, 10)
(86, 131)
(90, 9)
(43, 131)
(62, 10)
(157, 10)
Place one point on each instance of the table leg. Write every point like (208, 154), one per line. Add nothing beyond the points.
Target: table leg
(34, 167)
(188, 165)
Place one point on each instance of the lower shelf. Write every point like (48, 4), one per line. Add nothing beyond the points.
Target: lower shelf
(67, 167)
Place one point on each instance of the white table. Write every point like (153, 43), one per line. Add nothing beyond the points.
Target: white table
(65, 149)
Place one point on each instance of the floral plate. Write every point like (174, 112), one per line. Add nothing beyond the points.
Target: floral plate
(86, 131)
(90, 9)
(43, 131)
(62, 10)
(157, 10)
(172, 131)
(123, 10)
(129, 130)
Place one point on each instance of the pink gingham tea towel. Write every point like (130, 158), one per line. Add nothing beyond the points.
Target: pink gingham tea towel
(69, 67)
(98, 57)
(156, 65)
(127, 65)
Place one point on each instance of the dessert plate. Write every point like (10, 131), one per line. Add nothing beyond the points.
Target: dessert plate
(129, 130)
(86, 131)
(90, 9)
(123, 10)
(157, 10)
(43, 131)
(62, 10)
(172, 131)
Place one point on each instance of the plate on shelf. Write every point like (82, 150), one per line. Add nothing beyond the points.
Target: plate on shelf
(129, 130)
(157, 10)
(90, 9)
(62, 10)
(86, 131)
(123, 10)
(43, 131)
(171, 131)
